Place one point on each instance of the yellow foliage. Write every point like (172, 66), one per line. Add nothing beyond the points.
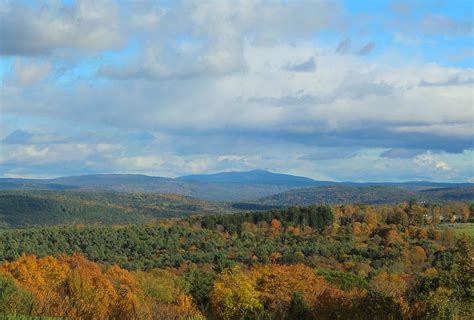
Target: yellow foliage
(391, 284)
(76, 288)
(277, 283)
(234, 296)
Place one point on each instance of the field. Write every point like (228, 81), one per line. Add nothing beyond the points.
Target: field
(464, 229)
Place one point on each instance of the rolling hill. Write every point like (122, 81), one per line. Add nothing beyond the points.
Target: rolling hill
(362, 195)
(224, 186)
(141, 183)
(45, 207)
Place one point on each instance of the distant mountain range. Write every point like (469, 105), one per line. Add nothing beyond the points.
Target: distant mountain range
(91, 198)
(225, 186)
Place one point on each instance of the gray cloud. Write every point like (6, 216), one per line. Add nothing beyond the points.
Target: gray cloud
(367, 48)
(205, 85)
(305, 66)
(455, 80)
(344, 47)
(30, 30)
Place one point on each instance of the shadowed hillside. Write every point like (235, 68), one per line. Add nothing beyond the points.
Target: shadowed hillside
(35, 207)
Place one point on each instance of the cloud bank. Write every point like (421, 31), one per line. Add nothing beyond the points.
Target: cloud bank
(187, 87)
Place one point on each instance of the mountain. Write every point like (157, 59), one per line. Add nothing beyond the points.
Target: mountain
(142, 183)
(225, 186)
(254, 177)
(341, 194)
(22, 208)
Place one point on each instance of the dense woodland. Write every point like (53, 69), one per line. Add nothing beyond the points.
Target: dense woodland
(28, 208)
(317, 262)
(340, 194)
(23, 208)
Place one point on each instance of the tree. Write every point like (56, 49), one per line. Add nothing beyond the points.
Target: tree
(464, 272)
(277, 284)
(390, 284)
(465, 212)
(234, 296)
(436, 214)
(298, 308)
(276, 225)
(418, 255)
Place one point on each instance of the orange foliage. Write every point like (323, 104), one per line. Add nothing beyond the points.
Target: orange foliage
(390, 284)
(41, 277)
(277, 283)
(76, 288)
(276, 224)
(418, 255)
(392, 236)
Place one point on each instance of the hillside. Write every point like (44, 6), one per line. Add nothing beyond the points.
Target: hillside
(450, 194)
(141, 183)
(254, 177)
(364, 195)
(225, 186)
(35, 207)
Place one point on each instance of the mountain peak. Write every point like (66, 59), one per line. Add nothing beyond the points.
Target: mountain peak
(257, 176)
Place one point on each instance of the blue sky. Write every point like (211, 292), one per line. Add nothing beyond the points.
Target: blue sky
(334, 90)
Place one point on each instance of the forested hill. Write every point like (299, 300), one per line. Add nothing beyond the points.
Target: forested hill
(23, 208)
(363, 195)
(140, 183)
(450, 194)
(223, 186)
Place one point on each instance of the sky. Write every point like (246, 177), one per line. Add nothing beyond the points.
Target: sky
(332, 90)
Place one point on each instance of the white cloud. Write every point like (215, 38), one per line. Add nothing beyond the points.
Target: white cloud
(13, 155)
(217, 82)
(430, 160)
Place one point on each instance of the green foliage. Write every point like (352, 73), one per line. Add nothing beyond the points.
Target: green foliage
(316, 217)
(298, 308)
(198, 284)
(343, 280)
(34, 207)
(379, 306)
(414, 270)
(13, 300)
(340, 194)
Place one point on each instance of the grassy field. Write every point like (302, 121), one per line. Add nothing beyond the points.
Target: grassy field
(462, 229)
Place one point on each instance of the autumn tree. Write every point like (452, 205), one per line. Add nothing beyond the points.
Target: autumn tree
(277, 284)
(234, 296)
